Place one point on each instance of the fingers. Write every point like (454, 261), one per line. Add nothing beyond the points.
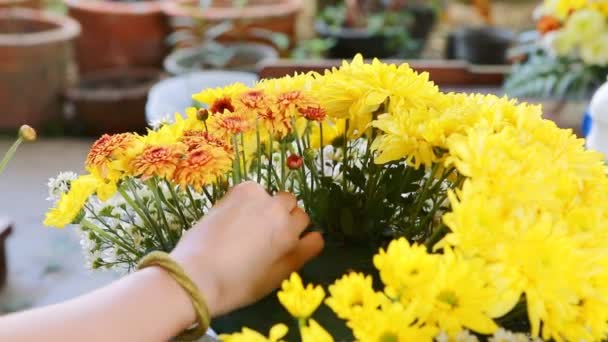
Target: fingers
(299, 221)
(243, 192)
(308, 247)
(286, 200)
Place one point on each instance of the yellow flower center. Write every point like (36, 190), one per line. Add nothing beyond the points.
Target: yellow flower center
(448, 297)
(389, 337)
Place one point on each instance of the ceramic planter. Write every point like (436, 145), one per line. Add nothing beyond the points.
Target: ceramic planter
(482, 45)
(119, 34)
(270, 15)
(112, 101)
(350, 42)
(36, 66)
(245, 57)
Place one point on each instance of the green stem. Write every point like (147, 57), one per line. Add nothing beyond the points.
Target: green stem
(236, 165)
(345, 157)
(283, 166)
(152, 184)
(269, 175)
(142, 211)
(179, 209)
(9, 154)
(197, 211)
(437, 235)
(258, 152)
(90, 225)
(321, 149)
(110, 229)
(244, 158)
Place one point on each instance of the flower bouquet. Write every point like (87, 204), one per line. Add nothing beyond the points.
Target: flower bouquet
(486, 220)
(568, 57)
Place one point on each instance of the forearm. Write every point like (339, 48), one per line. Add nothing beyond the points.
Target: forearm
(147, 305)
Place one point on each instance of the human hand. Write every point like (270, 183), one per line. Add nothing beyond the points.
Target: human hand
(245, 246)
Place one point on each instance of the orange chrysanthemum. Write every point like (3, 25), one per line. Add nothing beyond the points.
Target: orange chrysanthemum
(158, 161)
(227, 124)
(313, 113)
(194, 139)
(547, 24)
(202, 167)
(254, 101)
(290, 102)
(108, 148)
(277, 123)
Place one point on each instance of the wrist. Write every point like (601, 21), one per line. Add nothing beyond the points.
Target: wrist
(204, 279)
(173, 298)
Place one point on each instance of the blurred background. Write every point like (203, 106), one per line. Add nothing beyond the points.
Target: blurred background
(76, 69)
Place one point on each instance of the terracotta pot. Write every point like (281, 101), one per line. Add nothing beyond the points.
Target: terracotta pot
(112, 101)
(246, 57)
(119, 34)
(35, 65)
(273, 15)
(34, 4)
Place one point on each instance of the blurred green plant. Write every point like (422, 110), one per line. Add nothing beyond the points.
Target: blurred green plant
(312, 48)
(550, 77)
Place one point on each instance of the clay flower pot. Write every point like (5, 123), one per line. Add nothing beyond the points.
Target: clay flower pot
(34, 4)
(36, 59)
(112, 101)
(278, 16)
(119, 34)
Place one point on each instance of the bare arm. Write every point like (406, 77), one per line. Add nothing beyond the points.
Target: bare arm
(242, 249)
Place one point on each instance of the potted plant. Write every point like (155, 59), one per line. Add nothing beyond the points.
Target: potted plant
(375, 28)
(485, 45)
(249, 17)
(36, 57)
(111, 101)
(474, 236)
(564, 60)
(213, 54)
(119, 34)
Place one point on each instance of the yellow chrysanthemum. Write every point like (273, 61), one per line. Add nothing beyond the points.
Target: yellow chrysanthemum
(313, 332)
(227, 124)
(460, 296)
(393, 322)
(404, 269)
(300, 301)
(333, 129)
(71, 203)
(353, 293)
(277, 332)
(220, 99)
(357, 90)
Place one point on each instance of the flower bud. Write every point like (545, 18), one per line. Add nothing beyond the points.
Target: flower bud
(294, 162)
(202, 114)
(27, 133)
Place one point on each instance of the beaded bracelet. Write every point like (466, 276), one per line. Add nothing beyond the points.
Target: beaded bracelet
(164, 261)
